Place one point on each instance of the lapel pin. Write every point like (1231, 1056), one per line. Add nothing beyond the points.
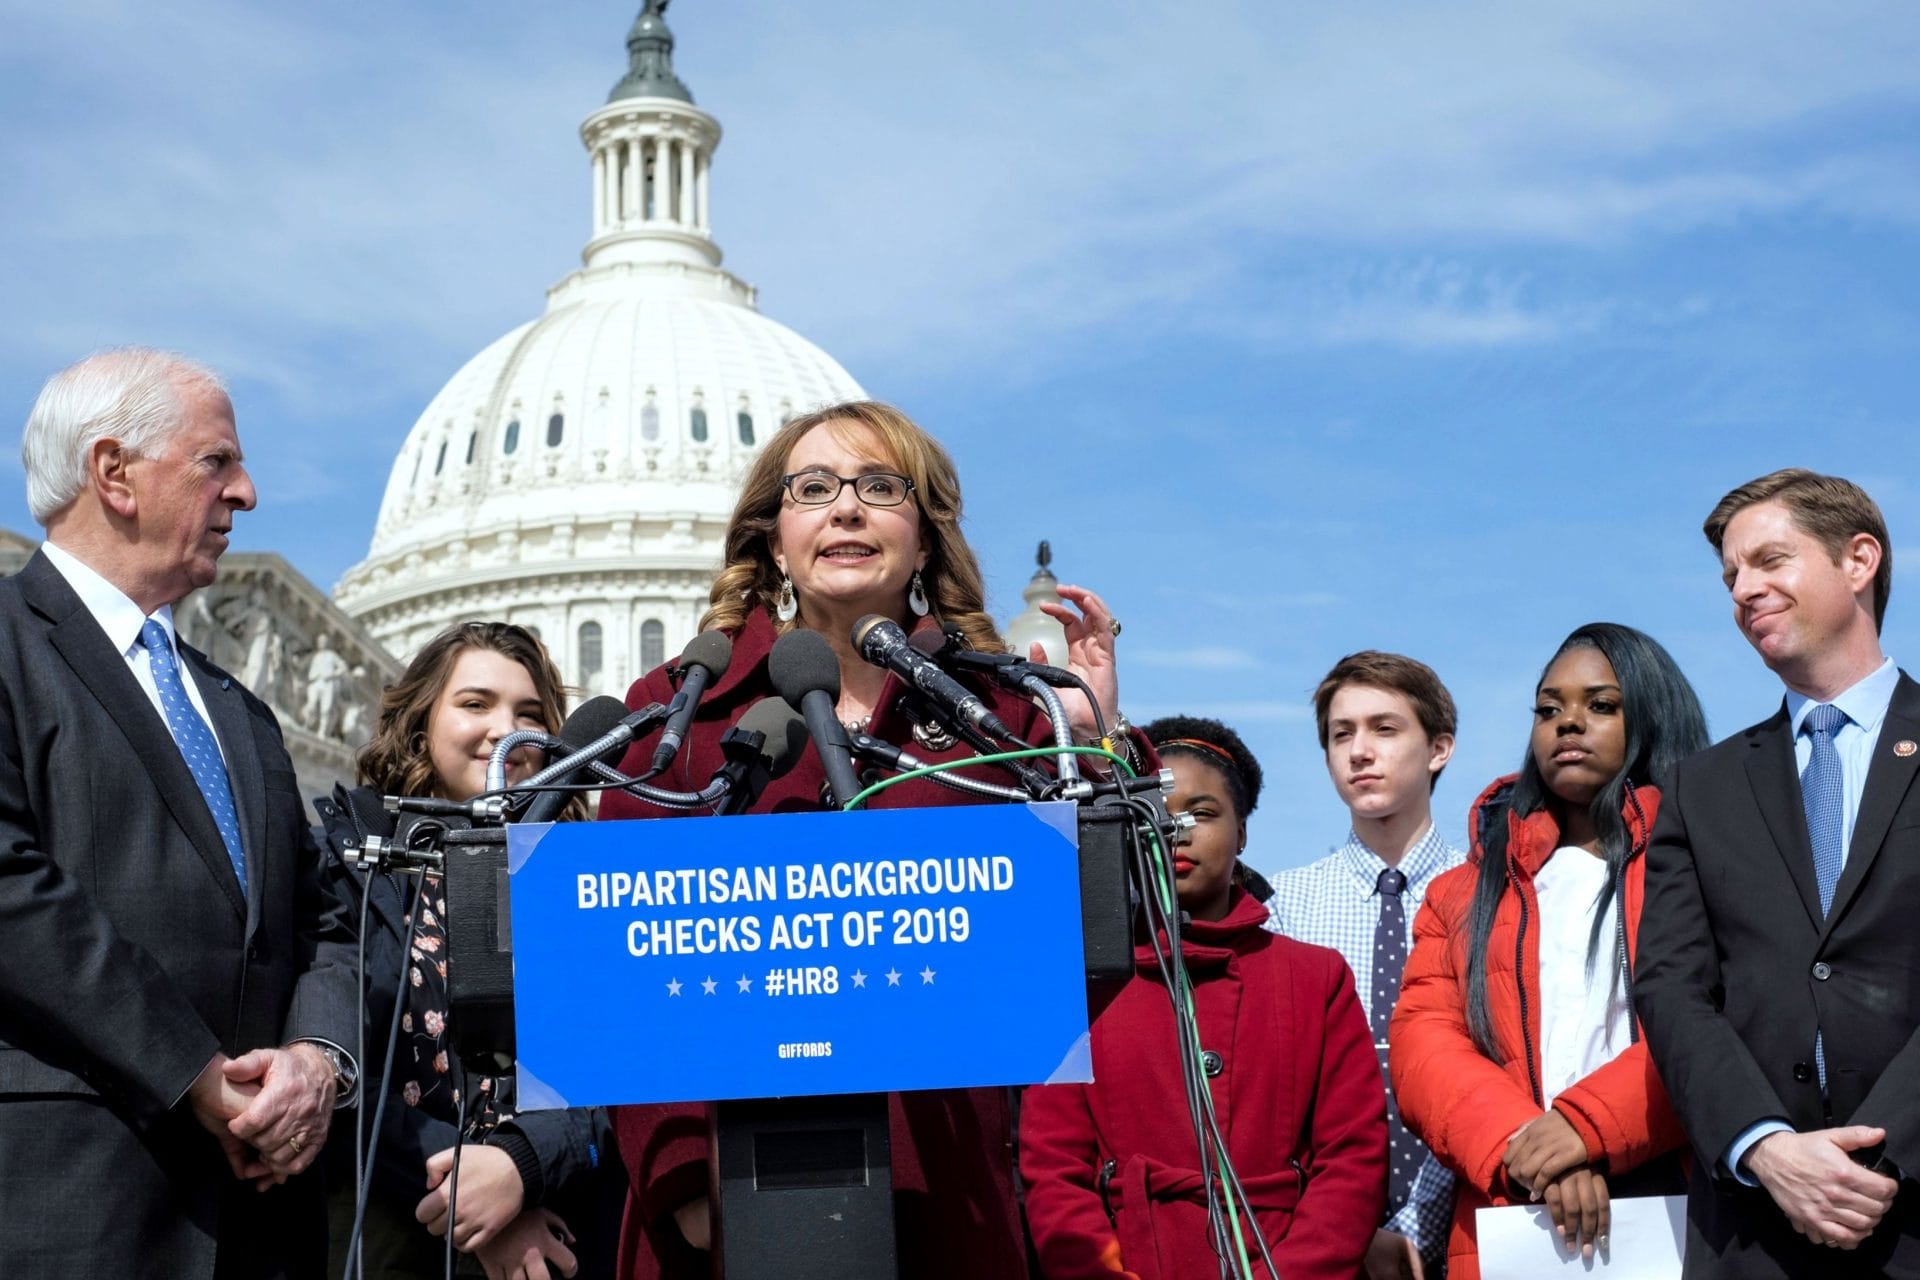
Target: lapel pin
(1905, 747)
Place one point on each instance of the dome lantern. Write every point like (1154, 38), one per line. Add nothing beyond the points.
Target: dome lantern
(577, 474)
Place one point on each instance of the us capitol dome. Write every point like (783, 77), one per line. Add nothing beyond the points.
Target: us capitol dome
(576, 475)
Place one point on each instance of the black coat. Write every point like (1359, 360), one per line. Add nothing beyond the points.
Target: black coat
(576, 1171)
(1737, 970)
(128, 957)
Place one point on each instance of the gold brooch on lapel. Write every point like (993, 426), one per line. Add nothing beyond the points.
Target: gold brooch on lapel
(1905, 747)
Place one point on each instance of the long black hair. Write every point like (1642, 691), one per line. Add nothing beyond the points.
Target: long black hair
(1664, 725)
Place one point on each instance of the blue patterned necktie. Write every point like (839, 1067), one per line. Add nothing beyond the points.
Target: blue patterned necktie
(1824, 796)
(1389, 962)
(196, 744)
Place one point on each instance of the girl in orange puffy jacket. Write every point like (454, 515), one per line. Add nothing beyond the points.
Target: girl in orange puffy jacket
(1513, 1049)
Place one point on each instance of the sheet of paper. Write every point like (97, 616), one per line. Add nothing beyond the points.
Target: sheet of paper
(1645, 1242)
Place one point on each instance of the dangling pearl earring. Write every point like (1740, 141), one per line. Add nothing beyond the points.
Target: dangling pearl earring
(917, 596)
(785, 606)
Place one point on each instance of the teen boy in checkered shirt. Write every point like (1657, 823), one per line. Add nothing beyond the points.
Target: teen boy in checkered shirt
(1386, 724)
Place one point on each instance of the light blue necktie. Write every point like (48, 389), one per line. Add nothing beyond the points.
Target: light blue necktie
(196, 743)
(1823, 794)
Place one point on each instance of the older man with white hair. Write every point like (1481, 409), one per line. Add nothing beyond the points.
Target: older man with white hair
(175, 989)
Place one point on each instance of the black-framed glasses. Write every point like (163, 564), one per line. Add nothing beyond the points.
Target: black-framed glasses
(875, 488)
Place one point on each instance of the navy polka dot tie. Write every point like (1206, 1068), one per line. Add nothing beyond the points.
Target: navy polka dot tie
(1389, 961)
(196, 744)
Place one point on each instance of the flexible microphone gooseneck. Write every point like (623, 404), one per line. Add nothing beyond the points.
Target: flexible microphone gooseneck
(703, 661)
(883, 642)
(593, 722)
(807, 676)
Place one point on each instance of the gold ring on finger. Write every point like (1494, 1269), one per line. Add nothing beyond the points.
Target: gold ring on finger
(295, 1143)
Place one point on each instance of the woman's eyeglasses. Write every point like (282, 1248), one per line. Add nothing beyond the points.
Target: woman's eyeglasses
(875, 488)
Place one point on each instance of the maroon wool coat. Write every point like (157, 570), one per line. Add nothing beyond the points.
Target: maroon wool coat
(1299, 1100)
(954, 1209)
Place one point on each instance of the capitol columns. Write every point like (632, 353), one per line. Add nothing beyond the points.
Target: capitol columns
(684, 205)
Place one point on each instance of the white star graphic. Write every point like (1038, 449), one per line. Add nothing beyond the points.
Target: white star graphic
(926, 976)
(707, 987)
(859, 978)
(746, 983)
(893, 977)
(673, 986)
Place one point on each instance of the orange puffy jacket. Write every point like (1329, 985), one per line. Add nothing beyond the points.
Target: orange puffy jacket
(1462, 1104)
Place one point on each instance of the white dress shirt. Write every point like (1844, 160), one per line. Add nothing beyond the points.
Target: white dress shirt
(121, 619)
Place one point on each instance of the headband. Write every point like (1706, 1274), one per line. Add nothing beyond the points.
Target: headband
(1210, 748)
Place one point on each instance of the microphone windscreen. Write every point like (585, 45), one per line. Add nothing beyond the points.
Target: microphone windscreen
(592, 719)
(801, 663)
(785, 730)
(710, 649)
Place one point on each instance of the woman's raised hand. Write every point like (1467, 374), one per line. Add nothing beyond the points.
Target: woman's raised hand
(1090, 635)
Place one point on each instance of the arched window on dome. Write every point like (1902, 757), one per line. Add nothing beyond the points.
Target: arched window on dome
(744, 421)
(653, 644)
(650, 421)
(418, 458)
(589, 653)
(556, 428)
(473, 442)
(440, 461)
(511, 440)
(697, 423)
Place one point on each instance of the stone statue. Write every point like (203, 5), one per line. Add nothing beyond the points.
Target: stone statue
(657, 8)
(327, 671)
(1045, 555)
(261, 670)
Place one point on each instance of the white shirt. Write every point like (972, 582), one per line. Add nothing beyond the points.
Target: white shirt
(1583, 1016)
(121, 619)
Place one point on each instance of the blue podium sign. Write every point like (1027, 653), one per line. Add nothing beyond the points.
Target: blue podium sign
(786, 954)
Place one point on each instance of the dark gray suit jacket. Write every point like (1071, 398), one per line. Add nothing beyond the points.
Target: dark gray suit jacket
(128, 957)
(1737, 970)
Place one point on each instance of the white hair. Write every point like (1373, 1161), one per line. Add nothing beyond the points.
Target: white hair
(129, 394)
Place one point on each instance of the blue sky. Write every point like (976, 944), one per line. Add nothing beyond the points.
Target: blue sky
(1297, 329)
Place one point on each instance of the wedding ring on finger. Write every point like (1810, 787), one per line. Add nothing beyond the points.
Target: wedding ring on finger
(296, 1144)
(1113, 625)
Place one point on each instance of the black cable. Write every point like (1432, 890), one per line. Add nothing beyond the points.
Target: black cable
(453, 1175)
(386, 1072)
(1206, 1122)
(356, 1260)
(1172, 966)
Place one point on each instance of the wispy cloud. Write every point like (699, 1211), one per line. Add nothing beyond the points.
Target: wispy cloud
(1199, 658)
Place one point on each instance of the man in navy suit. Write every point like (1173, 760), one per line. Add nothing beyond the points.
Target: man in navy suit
(175, 988)
(1778, 975)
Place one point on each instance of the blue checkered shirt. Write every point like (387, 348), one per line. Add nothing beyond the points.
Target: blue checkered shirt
(1335, 903)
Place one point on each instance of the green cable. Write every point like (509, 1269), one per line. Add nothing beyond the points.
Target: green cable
(1030, 753)
(1159, 855)
(1184, 993)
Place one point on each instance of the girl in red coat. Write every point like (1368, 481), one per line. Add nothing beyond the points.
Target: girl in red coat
(1113, 1186)
(1514, 1052)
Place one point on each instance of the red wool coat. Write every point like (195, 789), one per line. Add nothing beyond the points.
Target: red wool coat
(1299, 1100)
(954, 1207)
(1465, 1106)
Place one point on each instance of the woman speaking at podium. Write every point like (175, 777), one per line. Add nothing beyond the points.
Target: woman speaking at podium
(849, 511)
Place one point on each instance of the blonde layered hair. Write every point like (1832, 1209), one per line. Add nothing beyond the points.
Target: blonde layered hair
(951, 579)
